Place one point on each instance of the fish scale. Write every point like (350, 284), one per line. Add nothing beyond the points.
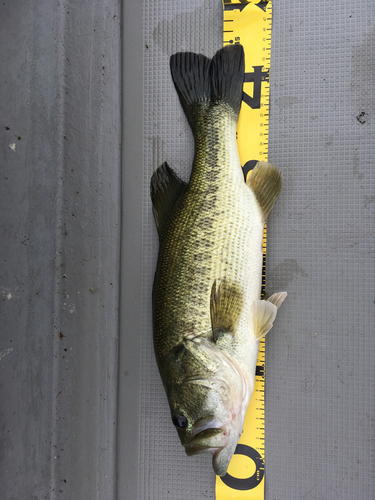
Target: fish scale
(213, 219)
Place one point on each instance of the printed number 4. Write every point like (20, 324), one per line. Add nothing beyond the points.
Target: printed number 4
(257, 77)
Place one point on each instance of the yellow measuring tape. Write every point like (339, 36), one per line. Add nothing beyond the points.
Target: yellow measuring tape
(249, 23)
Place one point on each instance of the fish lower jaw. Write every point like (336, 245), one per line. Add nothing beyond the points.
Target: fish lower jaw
(221, 459)
(221, 455)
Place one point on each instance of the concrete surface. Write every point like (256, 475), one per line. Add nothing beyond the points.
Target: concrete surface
(60, 206)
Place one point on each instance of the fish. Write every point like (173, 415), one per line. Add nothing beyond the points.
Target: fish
(208, 316)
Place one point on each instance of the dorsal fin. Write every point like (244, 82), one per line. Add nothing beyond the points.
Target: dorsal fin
(226, 306)
(166, 187)
(265, 182)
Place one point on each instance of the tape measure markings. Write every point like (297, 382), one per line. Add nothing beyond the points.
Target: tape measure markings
(251, 27)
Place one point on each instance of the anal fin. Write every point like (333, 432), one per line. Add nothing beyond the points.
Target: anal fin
(264, 313)
(277, 298)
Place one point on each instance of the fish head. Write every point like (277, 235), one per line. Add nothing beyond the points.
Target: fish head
(208, 403)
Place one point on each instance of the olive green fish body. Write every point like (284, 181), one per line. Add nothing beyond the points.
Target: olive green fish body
(207, 314)
(214, 232)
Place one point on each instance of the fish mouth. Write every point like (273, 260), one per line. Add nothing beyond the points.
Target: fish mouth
(212, 435)
(208, 440)
(218, 442)
(207, 434)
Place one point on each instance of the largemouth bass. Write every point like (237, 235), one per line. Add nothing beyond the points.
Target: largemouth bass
(208, 318)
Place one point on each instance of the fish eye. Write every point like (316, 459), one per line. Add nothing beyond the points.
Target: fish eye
(179, 421)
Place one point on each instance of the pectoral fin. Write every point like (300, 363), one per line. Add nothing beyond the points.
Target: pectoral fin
(264, 313)
(226, 306)
(166, 187)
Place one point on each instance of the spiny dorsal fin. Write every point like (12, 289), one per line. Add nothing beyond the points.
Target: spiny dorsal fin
(265, 182)
(201, 82)
(264, 313)
(226, 307)
(166, 187)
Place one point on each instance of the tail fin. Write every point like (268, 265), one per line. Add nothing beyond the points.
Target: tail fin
(227, 70)
(201, 82)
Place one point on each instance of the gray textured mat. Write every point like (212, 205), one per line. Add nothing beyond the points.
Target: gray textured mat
(320, 355)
